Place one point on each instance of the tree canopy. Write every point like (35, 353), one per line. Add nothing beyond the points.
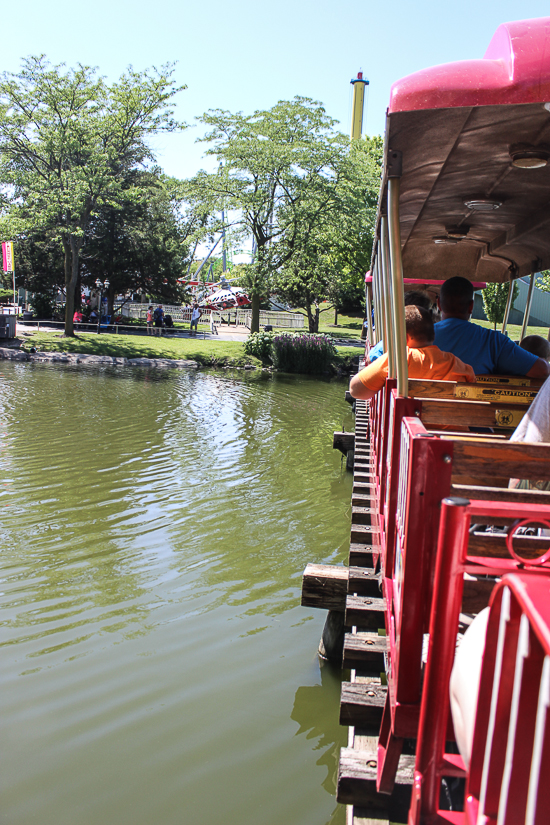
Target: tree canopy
(68, 142)
(334, 252)
(276, 180)
(81, 195)
(495, 297)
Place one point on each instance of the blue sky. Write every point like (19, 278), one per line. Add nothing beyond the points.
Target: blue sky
(245, 55)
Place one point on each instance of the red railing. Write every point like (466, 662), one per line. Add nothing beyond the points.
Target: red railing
(511, 744)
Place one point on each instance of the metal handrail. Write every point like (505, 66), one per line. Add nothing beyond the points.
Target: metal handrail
(503, 773)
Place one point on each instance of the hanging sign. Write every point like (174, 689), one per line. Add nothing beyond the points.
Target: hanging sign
(7, 255)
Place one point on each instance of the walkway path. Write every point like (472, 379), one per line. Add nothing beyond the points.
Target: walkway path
(225, 333)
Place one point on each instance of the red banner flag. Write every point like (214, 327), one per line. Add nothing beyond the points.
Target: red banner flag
(7, 255)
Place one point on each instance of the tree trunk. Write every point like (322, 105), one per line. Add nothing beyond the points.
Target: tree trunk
(310, 319)
(69, 294)
(316, 319)
(72, 260)
(255, 321)
(335, 317)
(78, 293)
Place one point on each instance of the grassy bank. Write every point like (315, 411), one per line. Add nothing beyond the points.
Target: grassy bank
(207, 352)
(514, 330)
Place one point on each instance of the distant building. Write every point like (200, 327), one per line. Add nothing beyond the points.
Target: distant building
(540, 306)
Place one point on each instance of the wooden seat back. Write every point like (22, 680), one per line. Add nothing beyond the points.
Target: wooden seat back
(488, 403)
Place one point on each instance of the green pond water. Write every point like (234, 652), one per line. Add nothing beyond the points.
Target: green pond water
(156, 665)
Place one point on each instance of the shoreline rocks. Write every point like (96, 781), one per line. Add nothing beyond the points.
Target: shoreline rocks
(12, 354)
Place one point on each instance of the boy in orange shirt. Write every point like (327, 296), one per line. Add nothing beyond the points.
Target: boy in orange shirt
(425, 360)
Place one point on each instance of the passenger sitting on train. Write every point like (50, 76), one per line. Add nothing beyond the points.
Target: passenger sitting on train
(424, 359)
(534, 428)
(487, 350)
(536, 344)
(416, 298)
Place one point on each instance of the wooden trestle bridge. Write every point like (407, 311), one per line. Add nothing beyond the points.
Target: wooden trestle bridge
(353, 596)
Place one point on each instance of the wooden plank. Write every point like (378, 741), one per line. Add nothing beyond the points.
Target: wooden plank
(365, 651)
(462, 433)
(363, 581)
(482, 493)
(363, 533)
(363, 468)
(366, 472)
(439, 412)
(357, 785)
(343, 441)
(364, 500)
(511, 380)
(365, 612)
(363, 555)
(362, 515)
(363, 486)
(362, 704)
(494, 545)
(494, 460)
(325, 586)
(484, 391)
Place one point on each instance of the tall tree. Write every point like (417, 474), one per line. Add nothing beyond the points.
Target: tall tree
(143, 243)
(495, 297)
(67, 143)
(275, 179)
(333, 253)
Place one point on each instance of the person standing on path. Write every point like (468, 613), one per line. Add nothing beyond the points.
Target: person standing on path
(158, 316)
(150, 321)
(195, 315)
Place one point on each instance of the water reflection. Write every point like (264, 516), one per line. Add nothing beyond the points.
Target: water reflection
(316, 710)
(155, 529)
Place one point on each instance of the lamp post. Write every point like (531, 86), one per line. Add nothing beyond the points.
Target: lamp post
(101, 286)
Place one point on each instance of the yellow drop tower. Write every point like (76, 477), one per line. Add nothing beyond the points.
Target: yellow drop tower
(358, 84)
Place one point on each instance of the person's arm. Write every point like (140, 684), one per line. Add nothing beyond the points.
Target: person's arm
(358, 390)
(540, 369)
(513, 360)
(369, 380)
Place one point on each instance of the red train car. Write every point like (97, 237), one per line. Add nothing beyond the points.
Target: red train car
(459, 553)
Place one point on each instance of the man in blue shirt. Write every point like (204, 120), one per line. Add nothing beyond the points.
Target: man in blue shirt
(486, 350)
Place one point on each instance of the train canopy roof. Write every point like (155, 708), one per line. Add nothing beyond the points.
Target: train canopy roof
(475, 144)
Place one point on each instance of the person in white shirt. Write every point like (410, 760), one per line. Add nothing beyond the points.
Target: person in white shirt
(195, 315)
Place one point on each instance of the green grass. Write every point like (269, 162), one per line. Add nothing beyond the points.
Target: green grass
(348, 326)
(514, 330)
(206, 352)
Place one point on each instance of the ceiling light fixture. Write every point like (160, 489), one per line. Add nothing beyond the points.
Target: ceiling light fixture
(529, 157)
(482, 204)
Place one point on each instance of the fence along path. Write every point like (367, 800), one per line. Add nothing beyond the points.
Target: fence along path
(237, 316)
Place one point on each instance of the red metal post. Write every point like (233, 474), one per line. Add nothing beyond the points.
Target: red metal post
(447, 599)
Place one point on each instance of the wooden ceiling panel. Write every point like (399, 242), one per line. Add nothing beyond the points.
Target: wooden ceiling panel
(453, 155)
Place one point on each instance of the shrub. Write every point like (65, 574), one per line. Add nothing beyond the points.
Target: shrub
(43, 305)
(259, 344)
(302, 352)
